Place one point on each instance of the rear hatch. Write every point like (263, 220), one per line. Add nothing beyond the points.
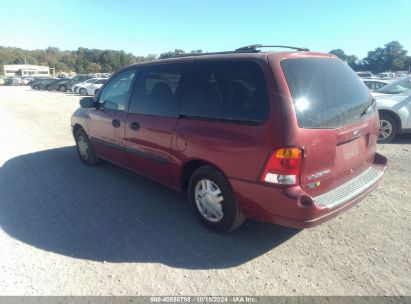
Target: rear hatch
(337, 121)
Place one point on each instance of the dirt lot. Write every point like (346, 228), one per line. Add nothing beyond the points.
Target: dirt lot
(68, 229)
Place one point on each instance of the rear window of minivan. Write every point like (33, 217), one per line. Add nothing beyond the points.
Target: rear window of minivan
(326, 92)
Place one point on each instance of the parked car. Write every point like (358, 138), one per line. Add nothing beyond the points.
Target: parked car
(288, 138)
(26, 80)
(41, 84)
(395, 115)
(387, 75)
(68, 84)
(396, 87)
(365, 74)
(82, 85)
(57, 84)
(93, 88)
(14, 81)
(375, 84)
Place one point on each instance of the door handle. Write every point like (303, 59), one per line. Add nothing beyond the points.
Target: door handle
(116, 123)
(135, 126)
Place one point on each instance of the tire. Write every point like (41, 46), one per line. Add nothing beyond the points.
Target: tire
(85, 150)
(36, 87)
(388, 128)
(83, 92)
(224, 215)
(62, 88)
(46, 88)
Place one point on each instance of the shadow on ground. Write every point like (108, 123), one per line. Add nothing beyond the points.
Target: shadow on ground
(402, 139)
(50, 200)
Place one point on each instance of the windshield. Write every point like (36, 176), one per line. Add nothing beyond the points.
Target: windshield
(326, 92)
(396, 87)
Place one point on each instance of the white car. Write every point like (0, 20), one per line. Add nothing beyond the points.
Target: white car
(375, 84)
(394, 107)
(76, 87)
(387, 75)
(396, 87)
(92, 88)
(365, 74)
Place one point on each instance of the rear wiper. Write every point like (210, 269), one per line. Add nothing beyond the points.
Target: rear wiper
(368, 108)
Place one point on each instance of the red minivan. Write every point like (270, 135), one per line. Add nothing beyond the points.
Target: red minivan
(283, 137)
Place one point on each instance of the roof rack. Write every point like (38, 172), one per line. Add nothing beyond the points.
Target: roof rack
(198, 54)
(255, 47)
(245, 49)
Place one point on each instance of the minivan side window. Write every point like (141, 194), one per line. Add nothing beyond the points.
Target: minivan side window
(226, 90)
(157, 89)
(115, 94)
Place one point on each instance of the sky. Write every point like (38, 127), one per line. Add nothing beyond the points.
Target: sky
(156, 26)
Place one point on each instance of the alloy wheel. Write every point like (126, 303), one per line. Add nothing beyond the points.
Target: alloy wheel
(385, 129)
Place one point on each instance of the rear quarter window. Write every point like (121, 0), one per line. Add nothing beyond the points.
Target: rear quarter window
(232, 91)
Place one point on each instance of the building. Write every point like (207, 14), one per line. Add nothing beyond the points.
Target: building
(24, 70)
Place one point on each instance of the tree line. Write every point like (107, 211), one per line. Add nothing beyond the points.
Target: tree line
(391, 57)
(82, 60)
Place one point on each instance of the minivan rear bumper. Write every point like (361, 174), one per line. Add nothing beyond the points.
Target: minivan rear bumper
(295, 208)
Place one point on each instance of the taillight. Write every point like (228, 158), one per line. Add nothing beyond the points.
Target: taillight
(283, 166)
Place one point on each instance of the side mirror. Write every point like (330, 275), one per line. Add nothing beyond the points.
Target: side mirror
(109, 105)
(87, 102)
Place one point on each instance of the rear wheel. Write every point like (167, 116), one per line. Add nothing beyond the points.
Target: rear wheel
(84, 149)
(36, 87)
(63, 88)
(213, 200)
(83, 91)
(388, 128)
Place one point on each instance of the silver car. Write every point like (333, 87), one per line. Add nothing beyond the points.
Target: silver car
(375, 84)
(394, 106)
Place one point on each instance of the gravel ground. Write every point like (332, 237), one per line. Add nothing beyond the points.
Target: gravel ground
(69, 229)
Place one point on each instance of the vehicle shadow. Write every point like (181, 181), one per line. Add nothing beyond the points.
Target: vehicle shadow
(401, 139)
(50, 200)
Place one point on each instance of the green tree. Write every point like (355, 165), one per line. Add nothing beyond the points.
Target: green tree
(350, 59)
(170, 54)
(391, 57)
(408, 64)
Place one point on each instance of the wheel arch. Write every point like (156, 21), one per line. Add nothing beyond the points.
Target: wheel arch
(188, 169)
(77, 127)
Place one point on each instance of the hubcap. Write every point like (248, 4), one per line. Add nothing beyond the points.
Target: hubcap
(208, 198)
(82, 147)
(385, 129)
(83, 92)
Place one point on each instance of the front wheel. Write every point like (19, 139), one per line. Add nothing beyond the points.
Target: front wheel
(388, 128)
(83, 92)
(63, 88)
(213, 200)
(84, 149)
